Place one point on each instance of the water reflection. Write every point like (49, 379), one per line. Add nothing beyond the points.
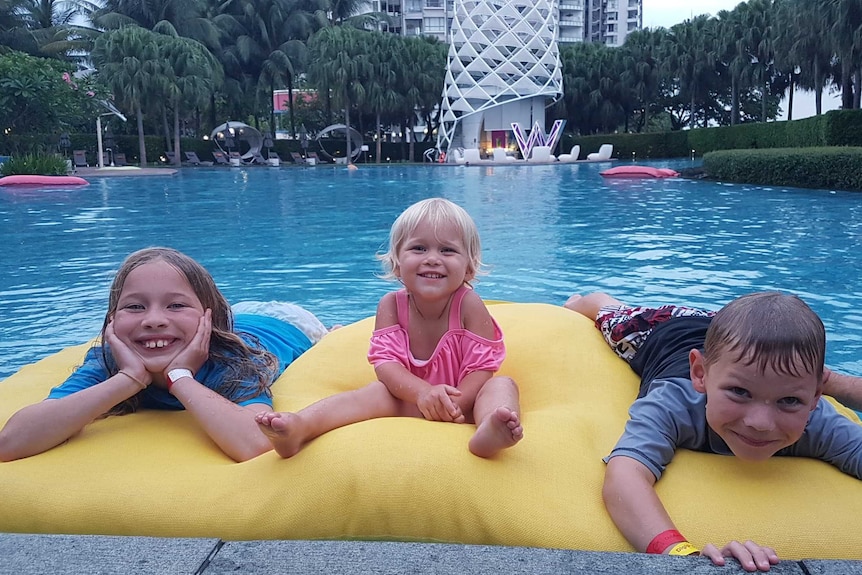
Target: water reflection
(310, 235)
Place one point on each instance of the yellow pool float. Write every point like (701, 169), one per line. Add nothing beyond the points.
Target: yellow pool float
(156, 473)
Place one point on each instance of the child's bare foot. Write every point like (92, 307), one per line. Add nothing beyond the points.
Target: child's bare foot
(283, 431)
(496, 432)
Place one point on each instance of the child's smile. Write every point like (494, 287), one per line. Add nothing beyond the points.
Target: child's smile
(432, 261)
(157, 313)
(756, 413)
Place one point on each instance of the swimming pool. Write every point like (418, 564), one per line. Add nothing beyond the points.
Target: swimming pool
(310, 235)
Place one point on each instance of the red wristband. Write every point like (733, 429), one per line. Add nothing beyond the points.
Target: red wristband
(664, 540)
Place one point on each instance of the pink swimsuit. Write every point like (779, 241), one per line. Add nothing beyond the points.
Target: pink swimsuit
(458, 353)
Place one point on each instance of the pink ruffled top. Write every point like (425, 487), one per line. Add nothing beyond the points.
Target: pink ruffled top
(458, 353)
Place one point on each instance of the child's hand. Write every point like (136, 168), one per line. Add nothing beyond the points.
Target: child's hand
(127, 359)
(197, 351)
(436, 404)
(751, 556)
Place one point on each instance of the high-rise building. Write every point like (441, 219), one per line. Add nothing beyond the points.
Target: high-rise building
(604, 21)
(610, 21)
(503, 67)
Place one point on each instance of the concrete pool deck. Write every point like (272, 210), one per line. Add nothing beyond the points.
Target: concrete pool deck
(123, 171)
(25, 554)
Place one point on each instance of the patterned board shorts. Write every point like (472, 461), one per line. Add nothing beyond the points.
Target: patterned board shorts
(626, 328)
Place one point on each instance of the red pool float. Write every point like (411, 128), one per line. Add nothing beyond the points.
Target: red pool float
(639, 172)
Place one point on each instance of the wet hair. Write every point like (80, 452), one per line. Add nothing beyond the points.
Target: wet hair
(437, 212)
(769, 329)
(239, 360)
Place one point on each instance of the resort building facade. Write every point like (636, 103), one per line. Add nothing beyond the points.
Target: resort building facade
(503, 67)
(604, 21)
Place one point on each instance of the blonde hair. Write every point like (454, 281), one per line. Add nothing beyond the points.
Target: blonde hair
(437, 212)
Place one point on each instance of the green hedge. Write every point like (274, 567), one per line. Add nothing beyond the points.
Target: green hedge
(838, 168)
(41, 164)
(644, 146)
(835, 128)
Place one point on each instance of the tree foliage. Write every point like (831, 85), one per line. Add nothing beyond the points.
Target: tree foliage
(39, 95)
(723, 70)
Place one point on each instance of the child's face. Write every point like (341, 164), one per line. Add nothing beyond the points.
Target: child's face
(755, 413)
(433, 262)
(157, 313)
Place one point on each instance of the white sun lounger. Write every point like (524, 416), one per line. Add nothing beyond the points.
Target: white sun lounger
(604, 153)
(572, 156)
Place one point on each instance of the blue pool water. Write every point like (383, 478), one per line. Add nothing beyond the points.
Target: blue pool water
(310, 235)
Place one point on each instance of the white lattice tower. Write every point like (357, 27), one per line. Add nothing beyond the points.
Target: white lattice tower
(501, 51)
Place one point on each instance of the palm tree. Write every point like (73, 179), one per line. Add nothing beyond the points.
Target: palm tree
(339, 65)
(187, 17)
(190, 74)
(14, 33)
(803, 26)
(691, 52)
(381, 89)
(269, 44)
(128, 62)
(641, 68)
(733, 55)
(846, 23)
(578, 105)
(420, 73)
(758, 41)
(46, 27)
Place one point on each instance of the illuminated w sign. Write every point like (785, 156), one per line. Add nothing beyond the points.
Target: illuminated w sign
(537, 137)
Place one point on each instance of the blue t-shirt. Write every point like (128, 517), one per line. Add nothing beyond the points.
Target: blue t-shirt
(669, 413)
(278, 337)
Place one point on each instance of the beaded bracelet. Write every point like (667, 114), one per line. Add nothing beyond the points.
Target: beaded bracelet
(133, 378)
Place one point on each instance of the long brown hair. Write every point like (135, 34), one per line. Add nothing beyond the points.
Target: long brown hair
(239, 360)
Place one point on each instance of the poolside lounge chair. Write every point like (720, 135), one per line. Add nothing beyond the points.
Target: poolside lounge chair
(80, 158)
(297, 158)
(604, 153)
(234, 159)
(541, 154)
(120, 159)
(220, 158)
(315, 157)
(257, 159)
(192, 158)
(171, 157)
(273, 158)
(572, 156)
(501, 156)
(472, 156)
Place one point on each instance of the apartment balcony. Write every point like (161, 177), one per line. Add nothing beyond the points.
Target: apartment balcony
(571, 4)
(573, 21)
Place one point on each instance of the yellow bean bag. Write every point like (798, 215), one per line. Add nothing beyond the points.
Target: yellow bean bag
(157, 474)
